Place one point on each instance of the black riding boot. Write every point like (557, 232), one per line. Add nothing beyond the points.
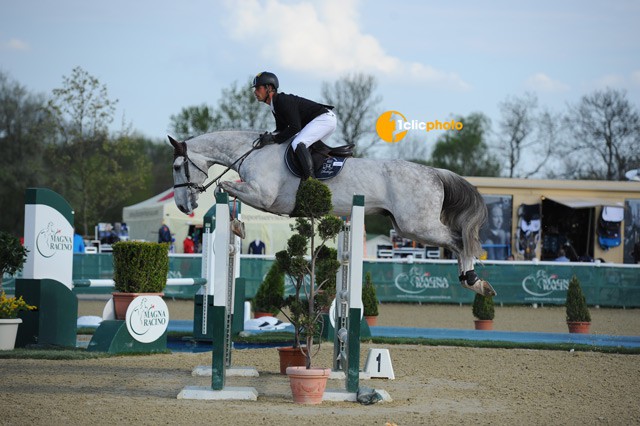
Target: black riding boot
(306, 162)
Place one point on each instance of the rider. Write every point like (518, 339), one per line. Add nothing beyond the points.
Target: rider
(307, 120)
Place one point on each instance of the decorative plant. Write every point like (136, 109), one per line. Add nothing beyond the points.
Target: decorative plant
(483, 307)
(140, 267)
(10, 306)
(270, 293)
(327, 266)
(313, 203)
(369, 298)
(12, 255)
(576, 303)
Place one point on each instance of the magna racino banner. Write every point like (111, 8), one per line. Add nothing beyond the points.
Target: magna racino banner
(48, 235)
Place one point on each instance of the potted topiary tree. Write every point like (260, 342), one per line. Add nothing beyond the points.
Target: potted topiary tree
(270, 294)
(578, 316)
(12, 258)
(484, 311)
(313, 203)
(138, 268)
(369, 300)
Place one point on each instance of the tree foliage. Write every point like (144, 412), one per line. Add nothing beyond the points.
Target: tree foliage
(356, 107)
(305, 308)
(465, 151)
(237, 109)
(99, 172)
(12, 255)
(576, 304)
(25, 130)
(527, 138)
(606, 136)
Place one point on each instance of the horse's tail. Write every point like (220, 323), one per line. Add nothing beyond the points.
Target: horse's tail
(463, 210)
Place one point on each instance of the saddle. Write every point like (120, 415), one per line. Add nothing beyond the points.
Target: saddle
(327, 160)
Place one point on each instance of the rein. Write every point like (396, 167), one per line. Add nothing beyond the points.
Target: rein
(202, 188)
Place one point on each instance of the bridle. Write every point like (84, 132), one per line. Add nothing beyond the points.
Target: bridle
(182, 152)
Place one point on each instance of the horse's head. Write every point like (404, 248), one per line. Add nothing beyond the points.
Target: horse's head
(189, 174)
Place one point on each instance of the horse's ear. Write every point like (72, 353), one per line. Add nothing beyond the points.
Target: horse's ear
(179, 147)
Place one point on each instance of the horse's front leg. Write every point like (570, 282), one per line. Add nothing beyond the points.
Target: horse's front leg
(248, 193)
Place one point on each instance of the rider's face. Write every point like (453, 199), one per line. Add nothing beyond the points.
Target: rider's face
(261, 93)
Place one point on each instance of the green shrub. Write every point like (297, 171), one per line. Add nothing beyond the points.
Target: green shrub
(483, 307)
(576, 303)
(140, 267)
(369, 298)
(270, 294)
(327, 266)
(12, 255)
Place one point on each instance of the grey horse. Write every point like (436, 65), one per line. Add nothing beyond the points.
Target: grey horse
(432, 206)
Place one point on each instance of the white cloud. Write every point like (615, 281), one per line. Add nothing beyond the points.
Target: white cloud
(323, 37)
(544, 83)
(14, 44)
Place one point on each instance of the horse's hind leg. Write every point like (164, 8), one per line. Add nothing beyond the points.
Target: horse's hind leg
(469, 279)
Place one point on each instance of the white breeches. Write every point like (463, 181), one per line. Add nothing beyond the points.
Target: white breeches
(319, 128)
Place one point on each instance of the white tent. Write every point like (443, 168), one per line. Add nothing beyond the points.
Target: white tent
(144, 219)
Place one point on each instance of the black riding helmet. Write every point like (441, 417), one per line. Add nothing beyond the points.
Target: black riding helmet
(264, 78)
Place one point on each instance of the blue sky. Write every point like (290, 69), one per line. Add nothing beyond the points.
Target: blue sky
(432, 59)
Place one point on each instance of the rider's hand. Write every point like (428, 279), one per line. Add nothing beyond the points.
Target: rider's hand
(267, 138)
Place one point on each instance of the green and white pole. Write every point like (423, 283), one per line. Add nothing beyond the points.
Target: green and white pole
(349, 306)
(219, 288)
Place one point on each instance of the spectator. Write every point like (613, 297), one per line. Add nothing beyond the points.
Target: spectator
(78, 243)
(562, 256)
(187, 245)
(164, 234)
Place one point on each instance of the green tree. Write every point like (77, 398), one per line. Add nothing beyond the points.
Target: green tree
(193, 121)
(237, 109)
(465, 151)
(92, 171)
(25, 129)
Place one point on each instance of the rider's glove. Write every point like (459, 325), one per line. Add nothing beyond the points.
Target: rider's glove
(267, 138)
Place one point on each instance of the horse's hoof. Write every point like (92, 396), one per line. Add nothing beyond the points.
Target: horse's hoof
(237, 227)
(481, 287)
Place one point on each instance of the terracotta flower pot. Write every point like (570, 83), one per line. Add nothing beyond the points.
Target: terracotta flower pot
(578, 327)
(483, 324)
(371, 320)
(290, 357)
(121, 302)
(308, 385)
(262, 314)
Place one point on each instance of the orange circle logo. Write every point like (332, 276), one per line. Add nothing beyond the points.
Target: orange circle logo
(389, 126)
